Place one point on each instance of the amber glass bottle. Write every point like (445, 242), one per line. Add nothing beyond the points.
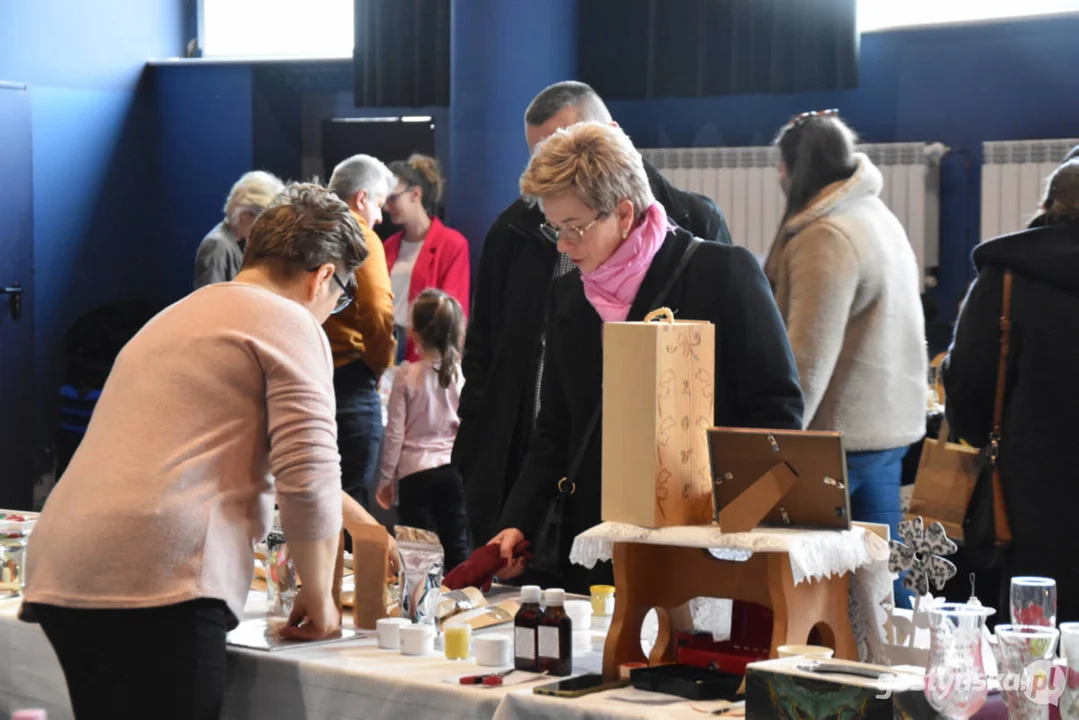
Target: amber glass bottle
(555, 636)
(525, 624)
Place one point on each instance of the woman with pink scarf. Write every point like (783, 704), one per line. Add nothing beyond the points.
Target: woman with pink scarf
(591, 184)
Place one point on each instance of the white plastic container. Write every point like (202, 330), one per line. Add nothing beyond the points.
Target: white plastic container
(417, 640)
(494, 650)
(389, 632)
(580, 612)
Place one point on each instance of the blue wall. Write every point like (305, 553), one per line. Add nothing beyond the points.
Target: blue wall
(960, 85)
(95, 228)
(502, 55)
(204, 144)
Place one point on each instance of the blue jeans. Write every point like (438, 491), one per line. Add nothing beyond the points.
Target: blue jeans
(359, 428)
(874, 495)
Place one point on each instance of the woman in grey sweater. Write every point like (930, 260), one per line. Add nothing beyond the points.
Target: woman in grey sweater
(846, 281)
(221, 253)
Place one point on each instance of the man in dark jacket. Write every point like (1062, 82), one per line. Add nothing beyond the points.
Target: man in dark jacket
(504, 347)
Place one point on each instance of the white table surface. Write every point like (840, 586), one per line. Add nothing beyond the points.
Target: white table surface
(346, 680)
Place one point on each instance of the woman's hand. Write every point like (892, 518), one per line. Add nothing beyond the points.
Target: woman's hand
(386, 495)
(313, 617)
(507, 540)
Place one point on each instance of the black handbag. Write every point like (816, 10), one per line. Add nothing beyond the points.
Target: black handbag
(986, 531)
(553, 538)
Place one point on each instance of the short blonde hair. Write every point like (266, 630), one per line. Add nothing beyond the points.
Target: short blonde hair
(252, 193)
(596, 162)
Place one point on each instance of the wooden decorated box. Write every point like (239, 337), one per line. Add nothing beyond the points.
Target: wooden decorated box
(658, 403)
(779, 690)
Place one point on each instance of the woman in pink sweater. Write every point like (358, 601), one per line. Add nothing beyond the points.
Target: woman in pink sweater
(142, 559)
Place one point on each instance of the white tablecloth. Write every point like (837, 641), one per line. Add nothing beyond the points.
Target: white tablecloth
(813, 554)
(339, 681)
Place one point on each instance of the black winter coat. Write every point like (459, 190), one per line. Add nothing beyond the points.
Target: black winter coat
(1041, 412)
(502, 348)
(756, 377)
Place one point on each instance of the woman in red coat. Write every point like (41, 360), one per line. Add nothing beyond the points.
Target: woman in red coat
(426, 253)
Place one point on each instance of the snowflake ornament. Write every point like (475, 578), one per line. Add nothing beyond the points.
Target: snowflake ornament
(919, 555)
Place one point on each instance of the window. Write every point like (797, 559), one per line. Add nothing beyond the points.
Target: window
(882, 14)
(276, 28)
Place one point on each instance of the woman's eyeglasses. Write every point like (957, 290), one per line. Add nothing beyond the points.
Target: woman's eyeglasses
(572, 235)
(803, 117)
(346, 296)
(394, 197)
(346, 293)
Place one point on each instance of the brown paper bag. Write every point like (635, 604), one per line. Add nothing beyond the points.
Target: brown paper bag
(339, 572)
(658, 403)
(945, 482)
(370, 566)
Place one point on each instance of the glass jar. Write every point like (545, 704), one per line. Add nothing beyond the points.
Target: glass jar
(1028, 677)
(956, 685)
(12, 562)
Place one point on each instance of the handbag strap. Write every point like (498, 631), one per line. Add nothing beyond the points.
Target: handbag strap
(1002, 531)
(1002, 367)
(586, 439)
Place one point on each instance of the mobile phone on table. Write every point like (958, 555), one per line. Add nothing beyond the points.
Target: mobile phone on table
(579, 686)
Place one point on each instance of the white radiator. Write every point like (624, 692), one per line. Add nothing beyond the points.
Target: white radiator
(744, 183)
(1013, 181)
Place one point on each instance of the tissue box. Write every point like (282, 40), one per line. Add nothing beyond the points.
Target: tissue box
(778, 690)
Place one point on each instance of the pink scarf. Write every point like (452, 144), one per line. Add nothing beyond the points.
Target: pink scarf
(612, 286)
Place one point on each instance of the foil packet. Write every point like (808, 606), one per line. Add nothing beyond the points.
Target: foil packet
(487, 616)
(454, 602)
(421, 562)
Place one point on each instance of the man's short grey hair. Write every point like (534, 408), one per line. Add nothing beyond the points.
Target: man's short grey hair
(252, 193)
(361, 172)
(568, 93)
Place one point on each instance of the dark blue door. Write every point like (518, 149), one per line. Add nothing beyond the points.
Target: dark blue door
(17, 423)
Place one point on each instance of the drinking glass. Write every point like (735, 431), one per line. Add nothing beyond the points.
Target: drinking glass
(1034, 601)
(1026, 669)
(955, 681)
(281, 581)
(1069, 650)
(458, 639)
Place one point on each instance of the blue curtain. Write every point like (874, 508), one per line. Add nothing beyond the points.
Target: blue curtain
(639, 49)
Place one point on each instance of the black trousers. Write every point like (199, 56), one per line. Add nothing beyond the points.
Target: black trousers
(167, 663)
(435, 500)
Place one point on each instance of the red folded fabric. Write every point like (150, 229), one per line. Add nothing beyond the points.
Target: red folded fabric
(481, 567)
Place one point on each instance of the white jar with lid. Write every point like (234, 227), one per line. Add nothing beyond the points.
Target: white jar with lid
(580, 612)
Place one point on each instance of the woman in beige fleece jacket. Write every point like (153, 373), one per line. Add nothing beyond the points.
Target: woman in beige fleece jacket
(846, 281)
